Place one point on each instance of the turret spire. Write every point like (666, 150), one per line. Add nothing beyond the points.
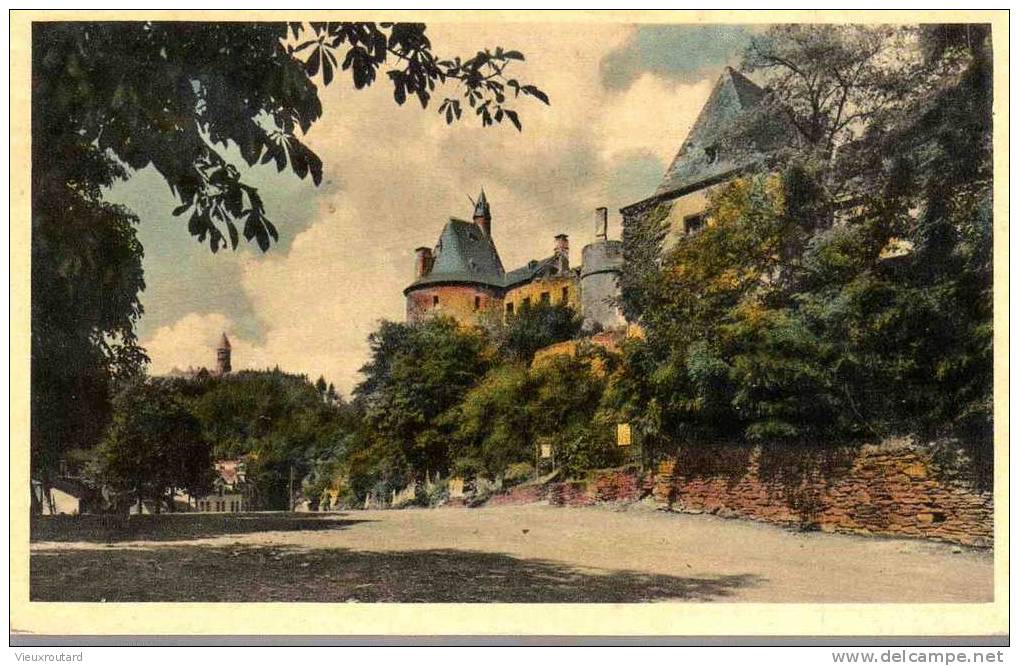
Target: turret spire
(481, 206)
(483, 214)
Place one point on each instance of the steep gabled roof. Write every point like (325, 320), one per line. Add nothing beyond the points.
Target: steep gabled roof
(464, 254)
(702, 157)
(533, 269)
(528, 271)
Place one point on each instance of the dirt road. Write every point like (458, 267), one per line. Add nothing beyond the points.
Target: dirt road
(531, 553)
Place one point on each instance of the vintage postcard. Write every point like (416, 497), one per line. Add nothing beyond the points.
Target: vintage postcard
(509, 323)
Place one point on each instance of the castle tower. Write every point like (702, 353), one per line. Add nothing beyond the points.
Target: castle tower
(601, 264)
(482, 214)
(223, 356)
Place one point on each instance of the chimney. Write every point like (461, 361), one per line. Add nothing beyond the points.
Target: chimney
(562, 251)
(422, 261)
(601, 223)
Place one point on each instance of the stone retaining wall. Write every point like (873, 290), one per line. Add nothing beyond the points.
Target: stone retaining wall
(891, 490)
(886, 490)
(618, 485)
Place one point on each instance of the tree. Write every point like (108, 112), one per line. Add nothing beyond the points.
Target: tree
(416, 373)
(115, 97)
(567, 411)
(492, 427)
(154, 445)
(834, 96)
(535, 326)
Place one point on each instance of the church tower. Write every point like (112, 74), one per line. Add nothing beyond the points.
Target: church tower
(223, 356)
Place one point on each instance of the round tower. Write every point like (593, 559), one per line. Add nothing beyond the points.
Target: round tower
(601, 264)
(223, 356)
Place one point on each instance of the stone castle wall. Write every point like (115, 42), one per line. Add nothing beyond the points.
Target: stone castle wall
(888, 490)
(457, 301)
(553, 286)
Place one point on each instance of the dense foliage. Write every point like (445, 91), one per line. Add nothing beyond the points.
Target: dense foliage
(166, 432)
(538, 325)
(415, 374)
(441, 399)
(845, 292)
(154, 446)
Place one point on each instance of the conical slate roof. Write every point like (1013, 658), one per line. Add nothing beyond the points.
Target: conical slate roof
(464, 254)
(224, 343)
(702, 157)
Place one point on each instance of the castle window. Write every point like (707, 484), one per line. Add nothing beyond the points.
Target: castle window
(435, 301)
(527, 302)
(545, 297)
(566, 295)
(509, 308)
(477, 302)
(693, 223)
(712, 153)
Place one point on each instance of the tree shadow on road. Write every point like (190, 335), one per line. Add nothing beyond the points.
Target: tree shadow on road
(259, 574)
(180, 526)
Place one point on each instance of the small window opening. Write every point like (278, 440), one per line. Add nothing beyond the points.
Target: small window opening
(712, 153)
(477, 302)
(509, 308)
(545, 297)
(566, 295)
(435, 300)
(693, 223)
(527, 301)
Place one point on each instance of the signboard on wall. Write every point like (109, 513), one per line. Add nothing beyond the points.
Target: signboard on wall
(623, 437)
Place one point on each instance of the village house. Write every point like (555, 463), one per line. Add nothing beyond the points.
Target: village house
(227, 494)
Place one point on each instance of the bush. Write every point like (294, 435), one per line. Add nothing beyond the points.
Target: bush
(518, 473)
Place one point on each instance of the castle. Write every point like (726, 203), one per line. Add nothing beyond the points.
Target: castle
(463, 276)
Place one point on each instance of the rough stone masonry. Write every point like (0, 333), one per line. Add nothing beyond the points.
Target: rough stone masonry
(890, 490)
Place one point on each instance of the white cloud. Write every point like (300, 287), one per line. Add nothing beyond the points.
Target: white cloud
(652, 115)
(401, 172)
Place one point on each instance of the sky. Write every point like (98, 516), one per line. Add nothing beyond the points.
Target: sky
(622, 100)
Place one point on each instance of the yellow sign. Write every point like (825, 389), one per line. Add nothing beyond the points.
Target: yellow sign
(546, 450)
(623, 434)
